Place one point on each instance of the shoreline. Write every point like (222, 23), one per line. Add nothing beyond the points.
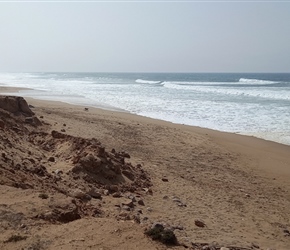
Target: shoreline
(243, 143)
(7, 89)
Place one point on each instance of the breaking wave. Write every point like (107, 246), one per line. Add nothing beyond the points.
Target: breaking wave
(254, 81)
(147, 81)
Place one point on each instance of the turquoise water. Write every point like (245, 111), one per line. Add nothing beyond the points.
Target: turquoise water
(250, 104)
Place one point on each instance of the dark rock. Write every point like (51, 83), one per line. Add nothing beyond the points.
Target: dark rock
(51, 159)
(127, 202)
(62, 130)
(126, 208)
(58, 172)
(113, 188)
(57, 135)
(117, 195)
(125, 155)
(31, 160)
(164, 179)
(199, 223)
(158, 232)
(95, 193)
(148, 191)
(39, 170)
(128, 174)
(132, 197)
(15, 105)
(141, 202)
(157, 225)
(29, 119)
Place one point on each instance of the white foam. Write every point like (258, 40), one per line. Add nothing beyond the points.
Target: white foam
(146, 81)
(255, 81)
(262, 111)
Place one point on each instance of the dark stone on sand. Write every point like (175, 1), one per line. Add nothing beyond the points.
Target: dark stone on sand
(199, 223)
(141, 202)
(51, 159)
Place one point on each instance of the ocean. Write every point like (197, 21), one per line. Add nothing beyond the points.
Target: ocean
(255, 104)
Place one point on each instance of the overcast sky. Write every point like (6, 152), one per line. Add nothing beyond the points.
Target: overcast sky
(145, 36)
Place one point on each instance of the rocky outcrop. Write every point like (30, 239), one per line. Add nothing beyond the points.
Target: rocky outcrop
(16, 105)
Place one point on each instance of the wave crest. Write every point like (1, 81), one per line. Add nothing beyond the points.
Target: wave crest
(255, 81)
(147, 81)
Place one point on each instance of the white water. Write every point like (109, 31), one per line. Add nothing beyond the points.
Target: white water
(247, 106)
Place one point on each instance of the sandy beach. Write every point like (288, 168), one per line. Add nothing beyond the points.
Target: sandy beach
(237, 186)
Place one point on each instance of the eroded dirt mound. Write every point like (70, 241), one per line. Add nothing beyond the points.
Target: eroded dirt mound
(33, 157)
(16, 105)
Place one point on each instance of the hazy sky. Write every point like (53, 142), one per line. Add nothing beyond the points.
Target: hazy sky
(228, 36)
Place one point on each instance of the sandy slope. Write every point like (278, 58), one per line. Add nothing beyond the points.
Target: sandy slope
(237, 185)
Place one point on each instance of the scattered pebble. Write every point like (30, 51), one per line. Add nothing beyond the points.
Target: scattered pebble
(199, 223)
(51, 159)
(141, 202)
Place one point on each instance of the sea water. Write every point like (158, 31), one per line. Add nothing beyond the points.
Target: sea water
(249, 104)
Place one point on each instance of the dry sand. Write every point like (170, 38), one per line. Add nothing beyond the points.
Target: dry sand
(237, 185)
